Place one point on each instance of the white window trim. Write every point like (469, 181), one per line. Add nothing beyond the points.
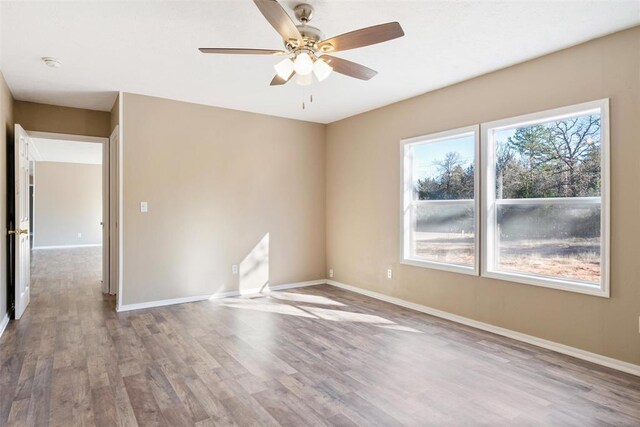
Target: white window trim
(488, 199)
(406, 195)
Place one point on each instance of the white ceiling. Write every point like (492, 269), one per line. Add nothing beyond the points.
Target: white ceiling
(151, 48)
(54, 150)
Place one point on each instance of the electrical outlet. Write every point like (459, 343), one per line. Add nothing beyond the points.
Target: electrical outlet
(144, 207)
(234, 269)
(389, 274)
(330, 272)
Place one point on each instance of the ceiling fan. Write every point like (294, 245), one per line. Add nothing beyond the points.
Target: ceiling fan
(306, 48)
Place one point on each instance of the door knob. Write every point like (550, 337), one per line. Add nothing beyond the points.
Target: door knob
(18, 231)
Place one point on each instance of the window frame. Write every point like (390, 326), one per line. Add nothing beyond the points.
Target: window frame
(489, 198)
(406, 189)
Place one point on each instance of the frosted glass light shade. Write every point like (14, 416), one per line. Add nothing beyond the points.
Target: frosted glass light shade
(304, 79)
(321, 69)
(303, 64)
(284, 69)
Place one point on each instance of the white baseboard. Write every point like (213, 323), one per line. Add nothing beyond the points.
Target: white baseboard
(218, 295)
(4, 323)
(599, 359)
(66, 246)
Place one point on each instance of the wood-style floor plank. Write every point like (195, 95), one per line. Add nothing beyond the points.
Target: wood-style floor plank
(316, 356)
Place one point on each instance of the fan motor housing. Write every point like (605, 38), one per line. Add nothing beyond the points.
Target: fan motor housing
(310, 36)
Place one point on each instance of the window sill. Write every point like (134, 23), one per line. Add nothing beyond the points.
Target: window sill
(453, 268)
(559, 284)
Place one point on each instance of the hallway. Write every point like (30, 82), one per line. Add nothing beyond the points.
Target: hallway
(59, 340)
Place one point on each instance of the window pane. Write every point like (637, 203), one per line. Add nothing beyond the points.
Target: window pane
(550, 239)
(444, 232)
(547, 202)
(559, 158)
(444, 170)
(442, 200)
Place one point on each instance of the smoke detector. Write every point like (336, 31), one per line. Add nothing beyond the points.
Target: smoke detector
(52, 62)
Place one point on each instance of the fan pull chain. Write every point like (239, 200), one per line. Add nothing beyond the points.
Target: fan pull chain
(304, 106)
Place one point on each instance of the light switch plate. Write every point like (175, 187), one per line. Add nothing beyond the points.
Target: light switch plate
(144, 207)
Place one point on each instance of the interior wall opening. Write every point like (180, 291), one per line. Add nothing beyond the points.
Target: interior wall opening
(68, 206)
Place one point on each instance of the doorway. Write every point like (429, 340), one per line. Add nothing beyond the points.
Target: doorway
(67, 208)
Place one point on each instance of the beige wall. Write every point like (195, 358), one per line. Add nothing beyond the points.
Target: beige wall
(217, 182)
(50, 118)
(68, 201)
(363, 196)
(6, 137)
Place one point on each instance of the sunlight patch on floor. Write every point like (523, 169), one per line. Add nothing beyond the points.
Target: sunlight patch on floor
(346, 316)
(305, 298)
(399, 328)
(263, 304)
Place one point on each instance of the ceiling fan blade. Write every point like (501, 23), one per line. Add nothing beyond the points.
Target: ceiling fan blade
(362, 37)
(277, 80)
(234, 51)
(349, 68)
(279, 19)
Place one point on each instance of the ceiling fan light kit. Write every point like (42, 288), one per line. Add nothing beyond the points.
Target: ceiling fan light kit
(304, 79)
(303, 65)
(284, 68)
(306, 48)
(321, 69)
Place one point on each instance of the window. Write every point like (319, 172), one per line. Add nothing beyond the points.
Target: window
(440, 200)
(546, 199)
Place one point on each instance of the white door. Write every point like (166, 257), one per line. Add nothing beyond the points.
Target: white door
(21, 233)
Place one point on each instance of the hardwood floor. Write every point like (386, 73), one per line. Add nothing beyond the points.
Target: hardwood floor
(312, 356)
